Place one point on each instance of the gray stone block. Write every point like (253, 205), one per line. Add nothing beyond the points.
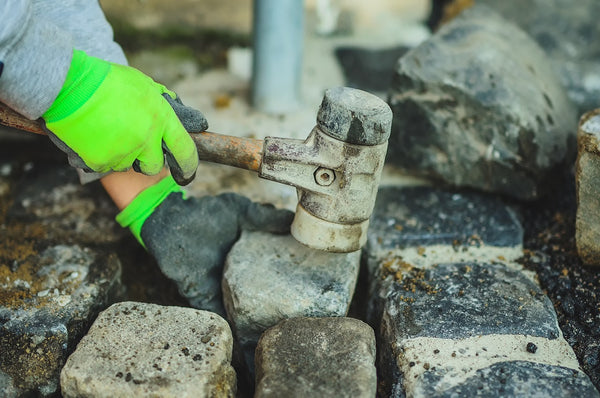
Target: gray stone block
(325, 357)
(138, 349)
(479, 105)
(46, 305)
(466, 300)
(514, 379)
(269, 278)
(587, 222)
(450, 303)
(569, 35)
(413, 228)
(425, 216)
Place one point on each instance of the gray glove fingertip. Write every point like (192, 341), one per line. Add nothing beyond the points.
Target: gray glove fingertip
(192, 120)
(176, 170)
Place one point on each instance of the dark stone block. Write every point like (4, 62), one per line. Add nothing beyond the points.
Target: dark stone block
(479, 105)
(514, 379)
(422, 216)
(467, 300)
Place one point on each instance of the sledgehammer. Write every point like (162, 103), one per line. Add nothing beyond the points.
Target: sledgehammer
(336, 169)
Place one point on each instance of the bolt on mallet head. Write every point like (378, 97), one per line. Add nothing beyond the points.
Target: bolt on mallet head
(336, 170)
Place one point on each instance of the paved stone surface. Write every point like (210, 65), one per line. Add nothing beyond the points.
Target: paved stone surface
(451, 309)
(221, 96)
(269, 278)
(326, 357)
(573, 287)
(479, 105)
(47, 301)
(414, 227)
(139, 349)
(588, 179)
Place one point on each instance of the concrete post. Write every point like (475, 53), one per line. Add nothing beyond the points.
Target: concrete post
(278, 28)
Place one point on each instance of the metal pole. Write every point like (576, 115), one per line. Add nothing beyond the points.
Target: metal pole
(278, 28)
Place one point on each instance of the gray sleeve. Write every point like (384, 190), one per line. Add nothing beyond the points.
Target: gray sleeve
(36, 55)
(37, 38)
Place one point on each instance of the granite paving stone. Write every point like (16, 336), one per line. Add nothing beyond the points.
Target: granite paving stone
(324, 357)
(451, 305)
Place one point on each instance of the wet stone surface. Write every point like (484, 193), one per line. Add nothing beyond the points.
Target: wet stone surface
(136, 349)
(302, 357)
(269, 278)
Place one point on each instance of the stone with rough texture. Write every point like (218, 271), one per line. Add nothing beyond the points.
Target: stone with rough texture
(516, 379)
(269, 278)
(587, 222)
(53, 196)
(468, 299)
(47, 301)
(568, 32)
(326, 357)
(426, 216)
(138, 349)
(451, 305)
(479, 105)
(486, 315)
(414, 227)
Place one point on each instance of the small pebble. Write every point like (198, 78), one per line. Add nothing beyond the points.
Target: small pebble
(532, 348)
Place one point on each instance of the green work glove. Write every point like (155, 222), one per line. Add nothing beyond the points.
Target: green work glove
(190, 238)
(110, 117)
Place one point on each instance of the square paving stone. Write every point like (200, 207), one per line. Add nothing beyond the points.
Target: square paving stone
(325, 357)
(269, 278)
(139, 349)
(424, 216)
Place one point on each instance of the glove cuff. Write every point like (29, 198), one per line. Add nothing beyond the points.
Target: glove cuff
(83, 79)
(137, 212)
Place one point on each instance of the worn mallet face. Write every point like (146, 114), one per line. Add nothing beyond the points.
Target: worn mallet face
(336, 169)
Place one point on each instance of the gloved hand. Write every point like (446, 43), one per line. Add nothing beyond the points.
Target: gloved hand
(113, 117)
(190, 238)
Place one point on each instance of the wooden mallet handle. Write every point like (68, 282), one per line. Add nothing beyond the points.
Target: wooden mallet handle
(245, 153)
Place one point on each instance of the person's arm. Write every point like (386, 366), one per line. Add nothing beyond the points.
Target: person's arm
(125, 186)
(105, 116)
(36, 56)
